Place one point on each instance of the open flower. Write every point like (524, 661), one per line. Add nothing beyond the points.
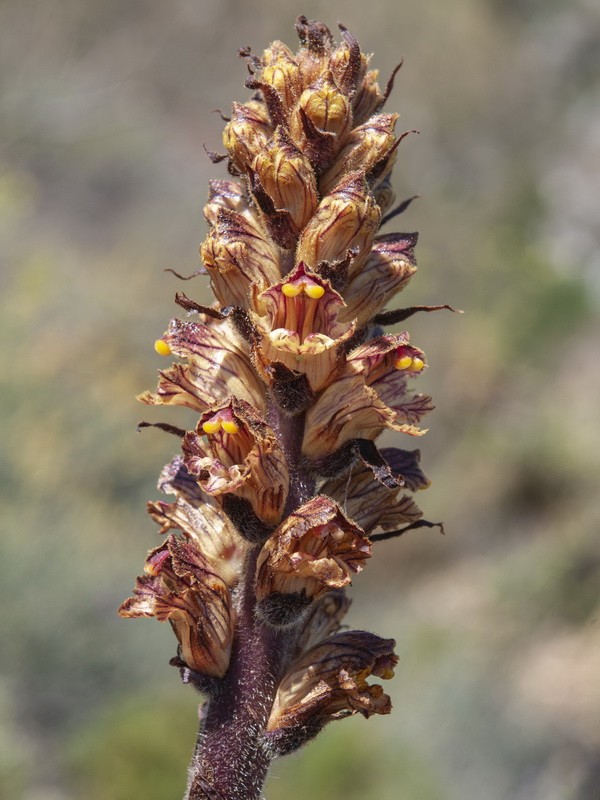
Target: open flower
(234, 452)
(297, 318)
(374, 395)
(179, 586)
(330, 682)
(217, 367)
(316, 549)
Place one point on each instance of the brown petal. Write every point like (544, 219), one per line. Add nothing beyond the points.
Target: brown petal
(218, 366)
(346, 410)
(238, 257)
(316, 549)
(347, 218)
(246, 461)
(180, 587)
(210, 530)
(369, 503)
(386, 272)
(329, 681)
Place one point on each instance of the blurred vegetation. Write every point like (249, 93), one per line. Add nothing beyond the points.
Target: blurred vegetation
(105, 108)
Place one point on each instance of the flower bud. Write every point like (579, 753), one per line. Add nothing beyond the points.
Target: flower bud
(347, 63)
(347, 218)
(283, 74)
(317, 41)
(246, 133)
(238, 258)
(288, 178)
(365, 146)
(326, 107)
(229, 195)
(389, 267)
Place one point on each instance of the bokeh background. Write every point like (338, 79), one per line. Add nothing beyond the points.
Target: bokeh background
(105, 108)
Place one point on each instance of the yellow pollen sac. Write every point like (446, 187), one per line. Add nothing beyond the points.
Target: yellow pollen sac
(405, 362)
(229, 426)
(416, 365)
(289, 290)
(211, 425)
(162, 348)
(387, 674)
(314, 291)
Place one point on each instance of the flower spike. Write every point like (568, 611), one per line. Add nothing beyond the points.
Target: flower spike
(280, 488)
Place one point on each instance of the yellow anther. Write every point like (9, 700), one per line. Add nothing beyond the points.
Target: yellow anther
(229, 426)
(290, 290)
(162, 348)
(417, 365)
(404, 362)
(314, 290)
(211, 425)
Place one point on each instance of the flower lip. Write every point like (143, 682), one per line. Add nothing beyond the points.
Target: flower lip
(303, 304)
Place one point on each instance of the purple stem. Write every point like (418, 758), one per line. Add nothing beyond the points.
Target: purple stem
(229, 761)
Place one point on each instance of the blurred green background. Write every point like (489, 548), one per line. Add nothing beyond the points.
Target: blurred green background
(105, 108)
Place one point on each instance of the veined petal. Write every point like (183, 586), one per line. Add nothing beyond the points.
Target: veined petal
(387, 270)
(247, 133)
(365, 146)
(218, 366)
(316, 549)
(238, 257)
(330, 682)
(346, 219)
(346, 410)
(369, 503)
(209, 529)
(297, 318)
(387, 363)
(180, 587)
(241, 456)
(287, 177)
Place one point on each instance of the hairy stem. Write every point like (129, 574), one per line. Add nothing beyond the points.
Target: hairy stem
(229, 761)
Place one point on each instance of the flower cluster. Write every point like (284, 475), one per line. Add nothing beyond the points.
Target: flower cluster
(280, 489)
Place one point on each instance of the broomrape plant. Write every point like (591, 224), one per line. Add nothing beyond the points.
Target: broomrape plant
(280, 491)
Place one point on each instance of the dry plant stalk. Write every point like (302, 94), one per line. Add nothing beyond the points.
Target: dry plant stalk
(280, 490)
